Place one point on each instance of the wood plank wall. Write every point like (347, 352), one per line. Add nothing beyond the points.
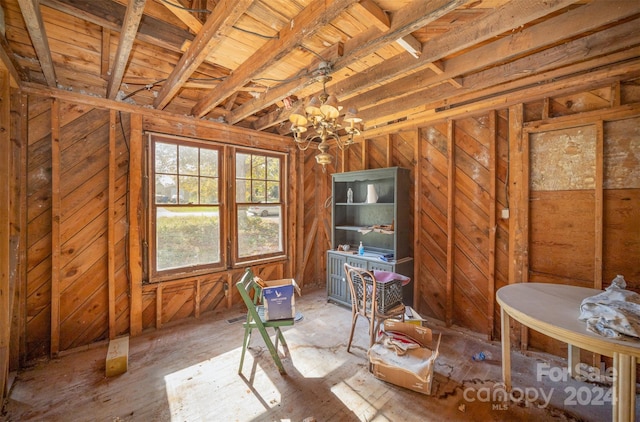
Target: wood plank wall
(460, 174)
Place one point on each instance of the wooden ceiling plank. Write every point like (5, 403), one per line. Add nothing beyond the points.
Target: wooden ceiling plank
(35, 26)
(132, 17)
(403, 23)
(221, 21)
(305, 24)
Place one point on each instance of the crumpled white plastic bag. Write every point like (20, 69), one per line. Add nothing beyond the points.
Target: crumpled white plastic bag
(614, 313)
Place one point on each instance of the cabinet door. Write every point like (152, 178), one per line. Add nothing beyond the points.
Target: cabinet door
(337, 288)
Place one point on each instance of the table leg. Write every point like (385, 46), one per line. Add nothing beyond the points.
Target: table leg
(505, 332)
(624, 388)
(574, 359)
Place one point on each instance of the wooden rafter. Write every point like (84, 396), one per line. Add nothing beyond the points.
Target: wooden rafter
(224, 16)
(35, 26)
(127, 37)
(501, 21)
(7, 60)
(305, 24)
(408, 19)
(185, 16)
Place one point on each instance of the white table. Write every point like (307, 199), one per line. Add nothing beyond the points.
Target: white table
(553, 310)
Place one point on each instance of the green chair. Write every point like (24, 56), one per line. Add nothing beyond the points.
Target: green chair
(255, 319)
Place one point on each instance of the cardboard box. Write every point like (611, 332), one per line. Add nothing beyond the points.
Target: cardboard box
(412, 317)
(413, 368)
(279, 299)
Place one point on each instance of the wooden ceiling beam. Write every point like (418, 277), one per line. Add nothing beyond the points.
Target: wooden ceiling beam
(184, 15)
(8, 61)
(110, 14)
(408, 19)
(373, 14)
(563, 60)
(224, 16)
(132, 17)
(535, 38)
(316, 15)
(35, 26)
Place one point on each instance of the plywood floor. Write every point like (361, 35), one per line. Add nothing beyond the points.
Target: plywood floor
(189, 372)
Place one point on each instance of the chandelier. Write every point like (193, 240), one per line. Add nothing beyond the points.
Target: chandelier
(322, 114)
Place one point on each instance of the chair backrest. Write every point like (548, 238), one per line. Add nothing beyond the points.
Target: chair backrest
(247, 288)
(363, 294)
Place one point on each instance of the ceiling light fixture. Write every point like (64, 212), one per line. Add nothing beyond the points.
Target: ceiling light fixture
(322, 114)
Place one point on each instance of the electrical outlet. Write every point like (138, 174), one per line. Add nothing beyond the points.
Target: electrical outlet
(505, 213)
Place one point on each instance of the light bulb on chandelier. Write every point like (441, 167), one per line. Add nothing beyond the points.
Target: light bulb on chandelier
(322, 114)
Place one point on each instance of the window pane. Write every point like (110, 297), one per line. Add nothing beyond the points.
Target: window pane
(259, 234)
(243, 166)
(187, 236)
(166, 158)
(259, 191)
(208, 191)
(243, 191)
(188, 162)
(273, 168)
(273, 191)
(165, 188)
(259, 167)
(188, 190)
(209, 162)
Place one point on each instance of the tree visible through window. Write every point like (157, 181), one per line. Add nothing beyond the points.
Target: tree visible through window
(186, 206)
(259, 205)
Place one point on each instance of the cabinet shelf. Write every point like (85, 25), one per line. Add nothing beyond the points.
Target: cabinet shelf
(361, 221)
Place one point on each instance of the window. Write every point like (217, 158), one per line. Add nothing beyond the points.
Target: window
(259, 206)
(186, 208)
(194, 224)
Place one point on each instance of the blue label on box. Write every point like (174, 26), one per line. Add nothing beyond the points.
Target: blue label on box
(278, 302)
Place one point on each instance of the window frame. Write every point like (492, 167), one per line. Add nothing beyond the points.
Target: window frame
(279, 255)
(227, 205)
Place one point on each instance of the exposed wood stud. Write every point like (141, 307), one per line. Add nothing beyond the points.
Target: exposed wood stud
(493, 224)
(135, 230)
(55, 227)
(451, 223)
(5, 229)
(599, 206)
(111, 236)
(417, 210)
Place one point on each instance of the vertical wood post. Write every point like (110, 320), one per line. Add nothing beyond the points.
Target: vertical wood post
(599, 206)
(493, 224)
(55, 227)
(111, 237)
(519, 206)
(5, 211)
(135, 213)
(451, 224)
(416, 218)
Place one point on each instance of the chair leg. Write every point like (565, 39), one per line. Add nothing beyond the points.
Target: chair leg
(354, 318)
(245, 345)
(272, 349)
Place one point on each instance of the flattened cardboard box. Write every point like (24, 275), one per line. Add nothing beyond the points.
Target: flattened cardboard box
(279, 299)
(400, 370)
